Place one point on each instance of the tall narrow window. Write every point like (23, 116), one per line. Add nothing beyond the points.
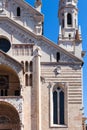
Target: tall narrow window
(58, 107)
(6, 92)
(55, 112)
(26, 66)
(31, 66)
(69, 19)
(26, 80)
(61, 107)
(30, 79)
(2, 94)
(18, 11)
(57, 56)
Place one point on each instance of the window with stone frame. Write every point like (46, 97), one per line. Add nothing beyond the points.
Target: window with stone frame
(58, 105)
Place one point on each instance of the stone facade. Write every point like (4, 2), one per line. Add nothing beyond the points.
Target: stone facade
(40, 82)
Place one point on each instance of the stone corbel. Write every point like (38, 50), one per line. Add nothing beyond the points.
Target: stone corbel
(42, 80)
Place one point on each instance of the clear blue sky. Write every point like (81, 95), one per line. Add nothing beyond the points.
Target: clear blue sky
(50, 11)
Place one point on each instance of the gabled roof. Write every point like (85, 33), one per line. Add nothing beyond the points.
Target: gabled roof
(61, 49)
(28, 6)
(41, 37)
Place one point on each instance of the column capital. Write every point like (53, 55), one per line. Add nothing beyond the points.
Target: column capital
(37, 52)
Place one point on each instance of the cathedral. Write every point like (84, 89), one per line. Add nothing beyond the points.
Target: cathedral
(40, 81)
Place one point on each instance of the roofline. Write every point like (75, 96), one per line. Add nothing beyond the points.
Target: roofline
(60, 48)
(39, 37)
(61, 63)
(28, 5)
(11, 58)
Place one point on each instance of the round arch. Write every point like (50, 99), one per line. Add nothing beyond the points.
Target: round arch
(9, 117)
(17, 68)
(9, 82)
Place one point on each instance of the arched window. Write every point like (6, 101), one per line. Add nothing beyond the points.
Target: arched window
(69, 19)
(18, 11)
(57, 56)
(26, 66)
(58, 106)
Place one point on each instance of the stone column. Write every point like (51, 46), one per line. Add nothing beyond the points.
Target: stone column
(37, 87)
(65, 19)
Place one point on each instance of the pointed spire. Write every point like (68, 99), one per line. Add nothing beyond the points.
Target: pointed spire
(38, 5)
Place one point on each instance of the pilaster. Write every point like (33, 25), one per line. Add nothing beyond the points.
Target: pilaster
(37, 87)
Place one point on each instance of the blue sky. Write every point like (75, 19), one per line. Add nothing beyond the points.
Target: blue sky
(51, 28)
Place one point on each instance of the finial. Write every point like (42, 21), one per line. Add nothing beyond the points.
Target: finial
(38, 5)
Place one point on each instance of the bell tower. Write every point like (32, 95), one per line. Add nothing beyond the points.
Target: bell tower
(69, 32)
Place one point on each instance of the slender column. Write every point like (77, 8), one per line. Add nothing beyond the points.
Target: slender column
(65, 19)
(37, 86)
